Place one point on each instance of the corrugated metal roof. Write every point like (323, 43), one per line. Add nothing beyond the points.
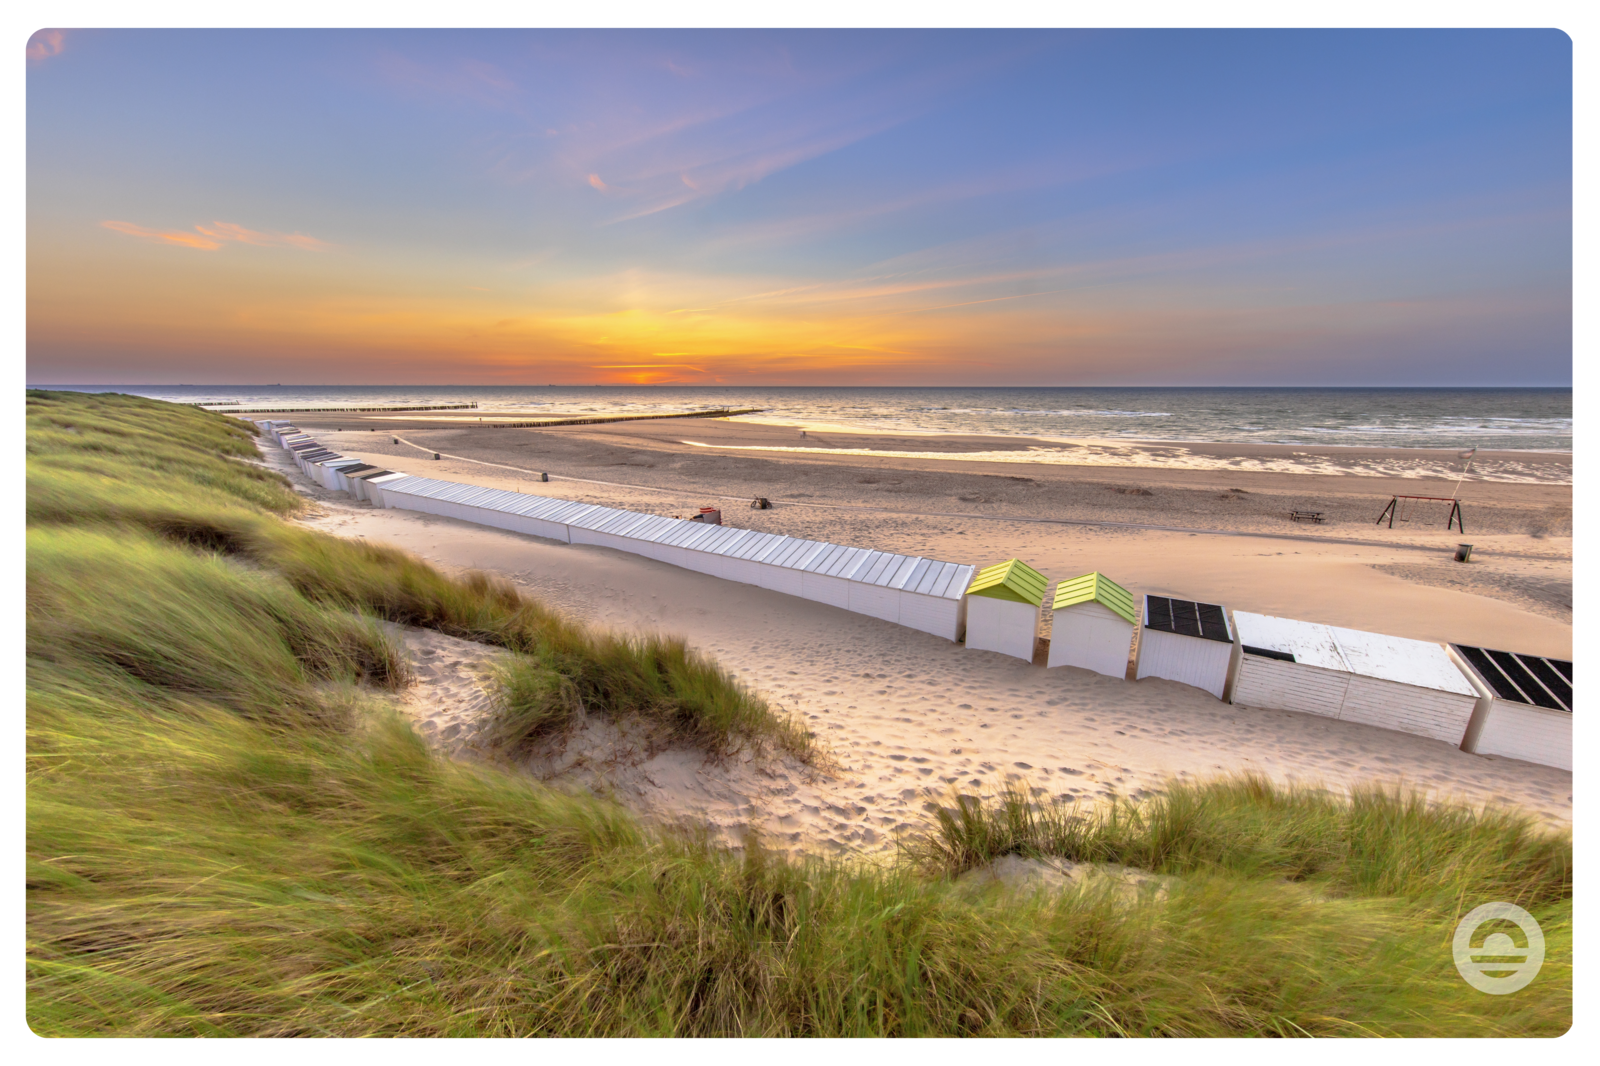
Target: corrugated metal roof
(654, 526)
(775, 549)
(843, 564)
(897, 577)
(857, 564)
(938, 579)
(902, 573)
(751, 547)
(1011, 580)
(872, 566)
(807, 557)
(731, 539)
(913, 580)
(1097, 587)
(927, 577)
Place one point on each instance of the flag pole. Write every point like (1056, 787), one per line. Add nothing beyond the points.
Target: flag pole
(1467, 455)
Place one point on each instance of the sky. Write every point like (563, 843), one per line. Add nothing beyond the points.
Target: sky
(1322, 207)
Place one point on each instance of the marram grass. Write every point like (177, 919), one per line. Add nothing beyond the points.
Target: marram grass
(229, 833)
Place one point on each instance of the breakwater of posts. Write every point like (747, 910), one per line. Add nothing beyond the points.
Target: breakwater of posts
(724, 412)
(331, 410)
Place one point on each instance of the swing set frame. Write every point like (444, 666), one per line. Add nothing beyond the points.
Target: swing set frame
(1453, 519)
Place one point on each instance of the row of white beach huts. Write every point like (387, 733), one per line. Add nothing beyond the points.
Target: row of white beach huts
(1488, 702)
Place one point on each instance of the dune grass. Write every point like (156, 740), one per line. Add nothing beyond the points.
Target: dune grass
(229, 835)
(108, 449)
(204, 874)
(118, 461)
(1376, 842)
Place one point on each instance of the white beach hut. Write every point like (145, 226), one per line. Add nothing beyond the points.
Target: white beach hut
(922, 594)
(375, 486)
(1411, 686)
(1524, 708)
(343, 477)
(1003, 609)
(329, 470)
(1092, 625)
(1185, 641)
(358, 482)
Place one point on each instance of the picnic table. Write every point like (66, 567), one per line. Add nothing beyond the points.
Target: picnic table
(1306, 516)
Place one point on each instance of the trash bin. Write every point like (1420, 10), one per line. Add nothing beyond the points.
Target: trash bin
(544, 477)
(1463, 553)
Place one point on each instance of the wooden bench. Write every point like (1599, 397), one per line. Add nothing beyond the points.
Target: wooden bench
(1306, 516)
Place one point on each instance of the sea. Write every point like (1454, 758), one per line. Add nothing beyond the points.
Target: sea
(1520, 419)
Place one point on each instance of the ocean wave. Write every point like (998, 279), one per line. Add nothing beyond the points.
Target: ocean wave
(1492, 419)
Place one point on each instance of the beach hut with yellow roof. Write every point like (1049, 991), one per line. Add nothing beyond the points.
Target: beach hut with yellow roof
(1003, 604)
(1092, 625)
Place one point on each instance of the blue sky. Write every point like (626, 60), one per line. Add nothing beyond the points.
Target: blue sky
(919, 207)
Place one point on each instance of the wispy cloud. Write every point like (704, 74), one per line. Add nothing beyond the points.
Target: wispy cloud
(183, 238)
(46, 43)
(229, 231)
(209, 238)
(717, 125)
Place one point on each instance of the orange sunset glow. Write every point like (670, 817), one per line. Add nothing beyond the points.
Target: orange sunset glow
(912, 208)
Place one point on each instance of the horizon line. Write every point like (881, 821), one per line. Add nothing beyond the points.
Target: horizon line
(684, 385)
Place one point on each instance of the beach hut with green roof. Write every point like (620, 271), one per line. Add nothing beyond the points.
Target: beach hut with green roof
(1092, 626)
(1003, 604)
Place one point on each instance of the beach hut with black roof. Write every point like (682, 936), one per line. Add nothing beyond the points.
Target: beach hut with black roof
(1092, 625)
(358, 482)
(343, 475)
(1412, 686)
(1524, 708)
(1184, 641)
(327, 471)
(1003, 604)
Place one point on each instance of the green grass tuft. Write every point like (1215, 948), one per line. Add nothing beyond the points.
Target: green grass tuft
(1377, 842)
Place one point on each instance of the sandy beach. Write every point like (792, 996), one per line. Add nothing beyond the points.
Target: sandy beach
(909, 717)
